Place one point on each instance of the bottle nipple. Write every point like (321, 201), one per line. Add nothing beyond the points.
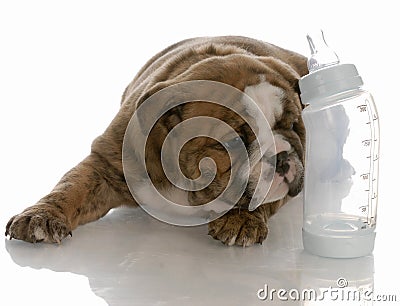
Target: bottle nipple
(321, 55)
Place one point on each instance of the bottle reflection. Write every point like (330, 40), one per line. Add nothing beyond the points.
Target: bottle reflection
(328, 281)
(335, 172)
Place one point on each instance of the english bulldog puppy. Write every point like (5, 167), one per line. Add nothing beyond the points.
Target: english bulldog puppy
(266, 73)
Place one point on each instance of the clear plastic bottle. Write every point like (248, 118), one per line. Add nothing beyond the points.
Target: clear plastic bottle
(342, 153)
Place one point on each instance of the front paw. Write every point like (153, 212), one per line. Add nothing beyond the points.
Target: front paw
(239, 228)
(39, 223)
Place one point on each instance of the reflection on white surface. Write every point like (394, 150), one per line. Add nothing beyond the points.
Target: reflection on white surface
(129, 258)
(343, 282)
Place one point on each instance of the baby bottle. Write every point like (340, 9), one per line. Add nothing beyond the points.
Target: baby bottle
(342, 153)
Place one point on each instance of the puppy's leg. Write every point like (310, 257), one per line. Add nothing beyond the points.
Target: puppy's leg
(241, 227)
(85, 193)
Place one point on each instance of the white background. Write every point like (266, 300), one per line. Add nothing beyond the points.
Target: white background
(64, 66)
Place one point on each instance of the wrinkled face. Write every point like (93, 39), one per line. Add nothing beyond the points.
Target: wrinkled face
(282, 109)
(200, 155)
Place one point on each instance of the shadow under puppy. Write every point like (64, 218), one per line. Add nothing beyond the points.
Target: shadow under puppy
(266, 73)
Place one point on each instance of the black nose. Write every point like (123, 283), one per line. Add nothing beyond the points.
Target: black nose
(282, 167)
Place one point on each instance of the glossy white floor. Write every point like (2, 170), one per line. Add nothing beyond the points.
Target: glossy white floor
(129, 258)
(64, 66)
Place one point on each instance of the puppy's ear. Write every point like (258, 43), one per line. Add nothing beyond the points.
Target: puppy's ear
(286, 71)
(296, 88)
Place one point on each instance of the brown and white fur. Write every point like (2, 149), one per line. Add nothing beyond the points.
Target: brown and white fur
(267, 73)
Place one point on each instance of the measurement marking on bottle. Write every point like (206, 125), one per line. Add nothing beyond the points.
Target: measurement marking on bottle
(365, 176)
(363, 208)
(366, 142)
(362, 108)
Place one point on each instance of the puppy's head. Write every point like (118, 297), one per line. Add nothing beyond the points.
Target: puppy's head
(208, 147)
